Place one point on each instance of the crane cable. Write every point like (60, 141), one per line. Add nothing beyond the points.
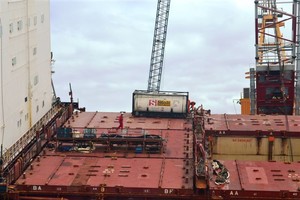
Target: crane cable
(2, 98)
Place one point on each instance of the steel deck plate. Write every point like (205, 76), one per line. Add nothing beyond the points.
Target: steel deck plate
(257, 179)
(177, 144)
(227, 124)
(71, 171)
(163, 173)
(109, 120)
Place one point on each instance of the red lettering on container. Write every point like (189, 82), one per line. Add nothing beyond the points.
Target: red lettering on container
(241, 140)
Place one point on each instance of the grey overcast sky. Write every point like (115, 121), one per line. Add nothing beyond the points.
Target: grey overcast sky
(103, 48)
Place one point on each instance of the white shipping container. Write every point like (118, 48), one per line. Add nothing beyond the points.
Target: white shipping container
(162, 102)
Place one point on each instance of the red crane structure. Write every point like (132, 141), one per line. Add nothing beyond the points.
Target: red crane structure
(272, 83)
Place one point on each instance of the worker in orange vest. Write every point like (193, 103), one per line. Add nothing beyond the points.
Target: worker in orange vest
(120, 122)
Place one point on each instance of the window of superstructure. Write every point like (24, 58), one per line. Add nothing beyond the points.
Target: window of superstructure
(11, 27)
(20, 25)
(43, 103)
(36, 80)
(37, 108)
(34, 51)
(26, 117)
(35, 20)
(13, 61)
(42, 18)
(19, 122)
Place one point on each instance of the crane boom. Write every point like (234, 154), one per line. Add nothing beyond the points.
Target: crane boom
(158, 47)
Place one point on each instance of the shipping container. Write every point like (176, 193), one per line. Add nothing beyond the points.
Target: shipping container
(258, 148)
(253, 137)
(64, 133)
(162, 104)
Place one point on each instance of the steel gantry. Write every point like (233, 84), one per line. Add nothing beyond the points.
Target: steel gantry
(297, 78)
(275, 57)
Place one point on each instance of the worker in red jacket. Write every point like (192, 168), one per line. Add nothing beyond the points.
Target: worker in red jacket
(120, 122)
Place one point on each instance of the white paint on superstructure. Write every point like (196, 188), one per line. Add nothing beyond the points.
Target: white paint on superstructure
(25, 61)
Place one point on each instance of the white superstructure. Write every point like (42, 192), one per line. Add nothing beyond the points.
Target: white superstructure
(25, 61)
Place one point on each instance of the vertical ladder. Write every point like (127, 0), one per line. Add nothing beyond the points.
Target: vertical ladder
(158, 47)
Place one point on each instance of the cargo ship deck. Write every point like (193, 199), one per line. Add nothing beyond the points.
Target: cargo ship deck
(258, 180)
(119, 168)
(151, 158)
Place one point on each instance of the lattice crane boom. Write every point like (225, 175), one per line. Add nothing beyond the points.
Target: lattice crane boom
(158, 47)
